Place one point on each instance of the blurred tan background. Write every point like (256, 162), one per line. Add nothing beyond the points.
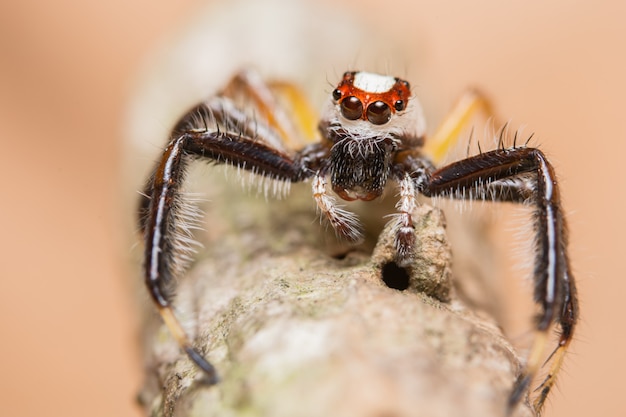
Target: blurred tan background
(68, 320)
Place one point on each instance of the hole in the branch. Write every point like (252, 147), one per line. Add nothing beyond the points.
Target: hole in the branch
(340, 255)
(394, 276)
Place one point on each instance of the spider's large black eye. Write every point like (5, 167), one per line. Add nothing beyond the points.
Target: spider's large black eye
(351, 108)
(378, 113)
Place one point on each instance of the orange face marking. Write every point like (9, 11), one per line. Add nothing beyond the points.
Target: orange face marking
(371, 97)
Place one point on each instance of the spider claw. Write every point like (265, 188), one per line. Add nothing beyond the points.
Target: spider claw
(210, 373)
(519, 389)
(405, 252)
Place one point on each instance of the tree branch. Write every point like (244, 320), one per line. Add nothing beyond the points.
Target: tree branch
(297, 331)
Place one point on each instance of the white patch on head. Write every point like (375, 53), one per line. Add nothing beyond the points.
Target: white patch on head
(373, 83)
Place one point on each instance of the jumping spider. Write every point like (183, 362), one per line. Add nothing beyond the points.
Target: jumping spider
(372, 132)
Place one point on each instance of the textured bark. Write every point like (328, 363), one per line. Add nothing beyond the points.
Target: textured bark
(299, 326)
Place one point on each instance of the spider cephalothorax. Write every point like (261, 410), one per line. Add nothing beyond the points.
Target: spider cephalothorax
(372, 131)
(369, 119)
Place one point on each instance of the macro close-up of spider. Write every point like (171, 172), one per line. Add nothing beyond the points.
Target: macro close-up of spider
(307, 208)
(370, 137)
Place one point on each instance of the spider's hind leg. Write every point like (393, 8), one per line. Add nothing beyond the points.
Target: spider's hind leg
(465, 110)
(282, 105)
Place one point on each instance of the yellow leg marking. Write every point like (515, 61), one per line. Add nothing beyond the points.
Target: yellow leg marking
(548, 383)
(179, 334)
(266, 98)
(536, 353)
(174, 326)
(470, 103)
(249, 85)
(529, 371)
(306, 117)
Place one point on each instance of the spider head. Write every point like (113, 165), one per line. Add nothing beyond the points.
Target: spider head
(368, 119)
(371, 97)
(372, 106)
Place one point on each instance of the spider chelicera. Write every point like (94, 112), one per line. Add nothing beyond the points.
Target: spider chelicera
(372, 132)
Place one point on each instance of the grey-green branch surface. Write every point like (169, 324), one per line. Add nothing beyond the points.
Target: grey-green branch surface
(301, 326)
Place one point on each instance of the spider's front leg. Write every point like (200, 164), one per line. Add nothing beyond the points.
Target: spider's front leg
(410, 181)
(345, 223)
(523, 175)
(162, 209)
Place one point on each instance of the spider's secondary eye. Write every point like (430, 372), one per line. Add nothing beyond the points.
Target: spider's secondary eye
(336, 94)
(399, 105)
(351, 108)
(378, 113)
